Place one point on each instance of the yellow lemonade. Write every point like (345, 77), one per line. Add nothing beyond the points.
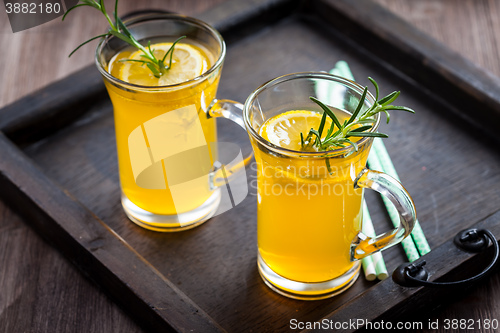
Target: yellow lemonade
(308, 214)
(163, 135)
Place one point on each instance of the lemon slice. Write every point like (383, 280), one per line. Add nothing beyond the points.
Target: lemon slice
(284, 129)
(188, 62)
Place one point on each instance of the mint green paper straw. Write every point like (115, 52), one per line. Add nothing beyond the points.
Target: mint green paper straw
(374, 265)
(368, 263)
(343, 69)
(385, 160)
(377, 258)
(369, 268)
(329, 93)
(408, 244)
(326, 92)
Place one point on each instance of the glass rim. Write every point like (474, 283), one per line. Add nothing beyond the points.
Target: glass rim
(306, 75)
(163, 16)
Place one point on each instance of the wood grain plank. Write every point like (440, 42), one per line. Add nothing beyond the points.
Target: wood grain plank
(469, 27)
(42, 292)
(52, 107)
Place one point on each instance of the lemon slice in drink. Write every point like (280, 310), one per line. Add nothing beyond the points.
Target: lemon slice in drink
(188, 62)
(284, 129)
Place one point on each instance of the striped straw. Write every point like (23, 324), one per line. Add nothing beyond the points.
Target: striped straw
(408, 245)
(377, 258)
(380, 160)
(385, 160)
(327, 93)
(369, 268)
(344, 69)
(373, 266)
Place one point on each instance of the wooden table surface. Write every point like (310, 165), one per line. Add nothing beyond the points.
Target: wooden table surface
(40, 291)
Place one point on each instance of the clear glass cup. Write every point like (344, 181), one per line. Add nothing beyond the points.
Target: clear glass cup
(309, 215)
(168, 157)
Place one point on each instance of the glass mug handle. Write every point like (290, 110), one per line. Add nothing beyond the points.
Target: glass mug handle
(392, 189)
(222, 174)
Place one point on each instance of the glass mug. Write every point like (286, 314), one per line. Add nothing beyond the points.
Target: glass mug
(309, 216)
(168, 157)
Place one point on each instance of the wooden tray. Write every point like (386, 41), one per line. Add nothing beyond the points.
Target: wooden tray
(58, 169)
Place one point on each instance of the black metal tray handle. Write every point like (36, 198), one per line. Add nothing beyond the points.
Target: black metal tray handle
(472, 240)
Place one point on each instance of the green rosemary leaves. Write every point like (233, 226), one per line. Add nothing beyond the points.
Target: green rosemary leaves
(118, 29)
(358, 125)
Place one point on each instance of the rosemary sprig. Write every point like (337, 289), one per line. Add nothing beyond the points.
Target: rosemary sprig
(356, 126)
(119, 30)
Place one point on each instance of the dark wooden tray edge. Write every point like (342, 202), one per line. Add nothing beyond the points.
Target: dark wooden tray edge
(52, 107)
